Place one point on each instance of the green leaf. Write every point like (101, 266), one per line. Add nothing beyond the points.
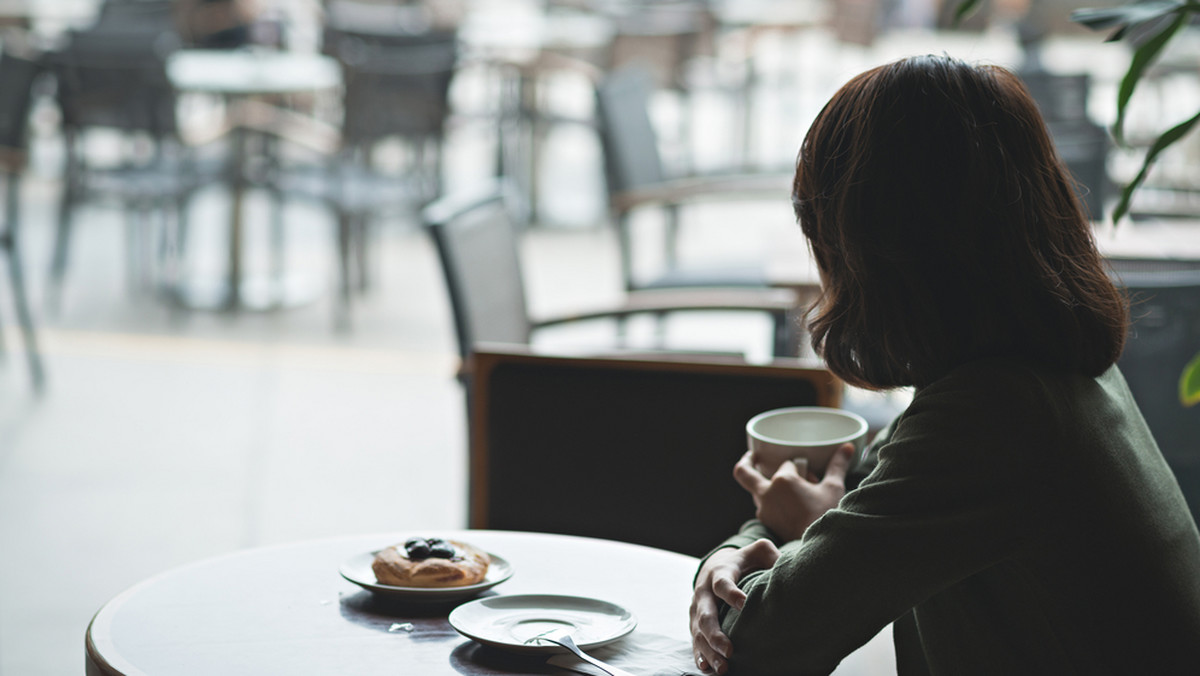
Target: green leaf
(965, 8)
(1142, 58)
(1189, 383)
(1163, 142)
(1125, 15)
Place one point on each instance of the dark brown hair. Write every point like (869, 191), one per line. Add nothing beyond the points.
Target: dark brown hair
(946, 229)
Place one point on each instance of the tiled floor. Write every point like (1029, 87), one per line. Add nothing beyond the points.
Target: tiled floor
(164, 437)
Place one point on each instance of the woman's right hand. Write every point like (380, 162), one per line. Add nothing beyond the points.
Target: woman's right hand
(716, 583)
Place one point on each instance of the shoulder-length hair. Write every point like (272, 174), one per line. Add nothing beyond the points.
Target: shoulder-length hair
(946, 229)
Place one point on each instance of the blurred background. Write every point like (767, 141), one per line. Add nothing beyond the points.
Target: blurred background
(226, 323)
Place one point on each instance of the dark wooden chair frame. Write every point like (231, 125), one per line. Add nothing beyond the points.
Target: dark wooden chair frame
(636, 448)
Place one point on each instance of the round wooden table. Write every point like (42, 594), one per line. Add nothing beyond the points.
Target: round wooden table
(286, 609)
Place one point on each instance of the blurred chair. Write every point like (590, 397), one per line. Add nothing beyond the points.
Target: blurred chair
(397, 86)
(392, 16)
(1081, 143)
(17, 78)
(395, 91)
(669, 38)
(477, 244)
(637, 179)
(634, 449)
(127, 15)
(211, 24)
(1165, 335)
(114, 80)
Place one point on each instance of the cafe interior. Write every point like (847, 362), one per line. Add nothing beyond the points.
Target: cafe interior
(297, 271)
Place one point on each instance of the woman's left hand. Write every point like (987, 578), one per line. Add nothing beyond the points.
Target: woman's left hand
(788, 503)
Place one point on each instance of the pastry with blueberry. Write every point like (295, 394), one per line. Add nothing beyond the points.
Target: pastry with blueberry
(430, 562)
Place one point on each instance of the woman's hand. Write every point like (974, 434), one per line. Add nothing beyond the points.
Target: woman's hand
(788, 503)
(717, 582)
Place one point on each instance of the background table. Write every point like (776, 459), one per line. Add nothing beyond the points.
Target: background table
(286, 610)
(239, 76)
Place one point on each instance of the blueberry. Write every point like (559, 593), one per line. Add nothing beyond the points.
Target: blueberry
(442, 550)
(412, 541)
(418, 550)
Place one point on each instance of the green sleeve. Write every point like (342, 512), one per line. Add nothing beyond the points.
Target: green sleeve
(754, 529)
(865, 463)
(938, 507)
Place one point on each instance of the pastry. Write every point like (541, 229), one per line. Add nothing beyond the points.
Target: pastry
(430, 562)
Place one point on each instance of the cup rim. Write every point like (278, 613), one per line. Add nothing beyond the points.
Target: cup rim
(862, 426)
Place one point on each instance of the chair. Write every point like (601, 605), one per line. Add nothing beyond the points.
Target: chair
(636, 179)
(123, 15)
(476, 242)
(632, 449)
(1165, 335)
(391, 16)
(395, 88)
(1082, 144)
(583, 38)
(17, 78)
(115, 79)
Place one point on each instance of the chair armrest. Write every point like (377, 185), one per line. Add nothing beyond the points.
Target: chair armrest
(771, 301)
(698, 188)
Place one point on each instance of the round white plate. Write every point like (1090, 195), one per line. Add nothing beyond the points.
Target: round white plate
(358, 570)
(507, 622)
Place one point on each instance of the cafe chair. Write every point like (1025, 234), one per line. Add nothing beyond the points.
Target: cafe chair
(386, 160)
(638, 449)
(671, 40)
(1164, 297)
(154, 15)
(18, 76)
(397, 87)
(391, 16)
(674, 40)
(112, 83)
(637, 181)
(1082, 144)
(477, 245)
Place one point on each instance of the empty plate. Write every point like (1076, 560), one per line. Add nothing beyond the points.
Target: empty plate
(507, 622)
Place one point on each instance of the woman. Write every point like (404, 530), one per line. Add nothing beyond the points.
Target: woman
(1019, 518)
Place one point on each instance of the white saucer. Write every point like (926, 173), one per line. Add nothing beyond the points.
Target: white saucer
(507, 622)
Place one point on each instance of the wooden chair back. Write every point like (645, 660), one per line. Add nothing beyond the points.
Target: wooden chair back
(638, 449)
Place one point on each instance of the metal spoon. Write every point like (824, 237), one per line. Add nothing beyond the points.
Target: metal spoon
(562, 637)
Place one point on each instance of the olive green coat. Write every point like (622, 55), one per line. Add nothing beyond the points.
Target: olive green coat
(1016, 521)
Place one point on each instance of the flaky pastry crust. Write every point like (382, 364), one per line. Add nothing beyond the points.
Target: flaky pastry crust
(469, 566)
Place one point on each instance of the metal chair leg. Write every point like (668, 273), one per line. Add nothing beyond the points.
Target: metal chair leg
(17, 278)
(345, 242)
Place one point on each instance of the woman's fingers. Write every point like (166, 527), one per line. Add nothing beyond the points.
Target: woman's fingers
(839, 464)
(710, 646)
(725, 587)
(748, 477)
(759, 555)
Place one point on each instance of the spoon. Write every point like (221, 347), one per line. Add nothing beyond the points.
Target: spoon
(562, 637)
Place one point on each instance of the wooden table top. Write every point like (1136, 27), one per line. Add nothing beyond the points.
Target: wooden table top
(286, 609)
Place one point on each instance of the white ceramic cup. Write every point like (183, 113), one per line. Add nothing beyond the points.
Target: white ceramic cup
(808, 435)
